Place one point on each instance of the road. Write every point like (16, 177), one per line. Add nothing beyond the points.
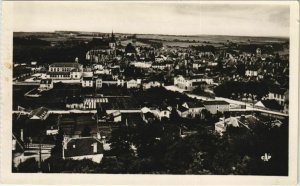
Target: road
(233, 103)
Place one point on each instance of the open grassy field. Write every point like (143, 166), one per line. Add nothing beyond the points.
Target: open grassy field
(214, 39)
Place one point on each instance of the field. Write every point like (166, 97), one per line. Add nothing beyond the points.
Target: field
(167, 40)
(214, 39)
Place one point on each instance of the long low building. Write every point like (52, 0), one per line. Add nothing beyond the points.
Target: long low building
(71, 70)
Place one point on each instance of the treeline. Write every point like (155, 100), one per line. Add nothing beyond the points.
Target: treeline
(152, 42)
(159, 95)
(48, 54)
(238, 90)
(204, 48)
(31, 41)
(267, 49)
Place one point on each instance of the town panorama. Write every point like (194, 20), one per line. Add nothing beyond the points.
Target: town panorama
(92, 102)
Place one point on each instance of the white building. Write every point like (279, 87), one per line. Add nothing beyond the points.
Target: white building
(87, 82)
(45, 84)
(190, 82)
(83, 148)
(65, 71)
(134, 83)
(151, 84)
(216, 106)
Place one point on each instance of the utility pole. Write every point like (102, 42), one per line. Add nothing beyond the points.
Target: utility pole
(40, 156)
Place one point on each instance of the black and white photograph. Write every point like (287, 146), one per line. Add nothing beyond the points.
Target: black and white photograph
(152, 88)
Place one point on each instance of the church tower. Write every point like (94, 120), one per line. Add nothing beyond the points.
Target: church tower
(112, 41)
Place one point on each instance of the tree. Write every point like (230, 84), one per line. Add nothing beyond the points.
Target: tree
(86, 131)
(29, 165)
(57, 149)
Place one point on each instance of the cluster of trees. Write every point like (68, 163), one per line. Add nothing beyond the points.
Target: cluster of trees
(158, 148)
(154, 43)
(48, 54)
(30, 41)
(267, 49)
(238, 90)
(159, 95)
(201, 92)
(20, 70)
(204, 48)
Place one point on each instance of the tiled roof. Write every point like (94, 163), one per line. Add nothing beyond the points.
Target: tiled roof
(82, 147)
(271, 104)
(39, 112)
(182, 109)
(215, 102)
(195, 104)
(58, 73)
(70, 64)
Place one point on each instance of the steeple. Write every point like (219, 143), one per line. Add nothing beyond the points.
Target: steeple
(112, 36)
(112, 41)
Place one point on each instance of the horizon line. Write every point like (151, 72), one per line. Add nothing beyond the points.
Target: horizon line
(283, 37)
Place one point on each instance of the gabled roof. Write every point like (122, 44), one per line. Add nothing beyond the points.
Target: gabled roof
(58, 73)
(39, 113)
(277, 90)
(272, 104)
(149, 115)
(87, 78)
(82, 146)
(215, 102)
(182, 109)
(195, 104)
(67, 65)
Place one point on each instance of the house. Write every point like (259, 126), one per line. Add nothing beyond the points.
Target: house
(216, 106)
(160, 66)
(160, 112)
(115, 116)
(82, 148)
(151, 84)
(194, 108)
(74, 102)
(239, 121)
(144, 65)
(221, 126)
(45, 84)
(65, 71)
(87, 82)
(183, 83)
(148, 117)
(79, 125)
(189, 83)
(39, 113)
(51, 130)
(251, 73)
(279, 94)
(183, 111)
(271, 104)
(163, 112)
(98, 83)
(133, 83)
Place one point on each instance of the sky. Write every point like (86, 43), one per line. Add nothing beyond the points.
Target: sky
(189, 18)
